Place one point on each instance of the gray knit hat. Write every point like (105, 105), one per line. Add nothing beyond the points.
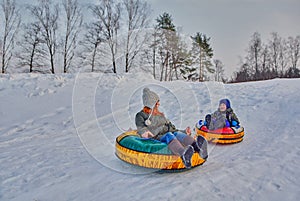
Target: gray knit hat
(149, 98)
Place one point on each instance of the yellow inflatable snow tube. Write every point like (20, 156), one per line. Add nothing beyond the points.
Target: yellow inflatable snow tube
(221, 136)
(149, 153)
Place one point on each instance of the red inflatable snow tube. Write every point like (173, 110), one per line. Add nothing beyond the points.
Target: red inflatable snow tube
(226, 130)
(225, 135)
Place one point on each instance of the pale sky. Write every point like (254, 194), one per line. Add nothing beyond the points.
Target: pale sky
(229, 23)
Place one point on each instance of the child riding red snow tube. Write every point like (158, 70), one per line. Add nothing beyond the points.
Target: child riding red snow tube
(222, 126)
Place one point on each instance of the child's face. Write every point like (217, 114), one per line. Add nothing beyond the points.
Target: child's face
(222, 107)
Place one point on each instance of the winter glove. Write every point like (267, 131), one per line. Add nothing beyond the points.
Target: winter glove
(199, 124)
(171, 127)
(227, 124)
(235, 124)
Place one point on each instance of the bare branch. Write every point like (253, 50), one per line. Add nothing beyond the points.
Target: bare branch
(138, 12)
(12, 22)
(73, 23)
(32, 53)
(47, 15)
(108, 13)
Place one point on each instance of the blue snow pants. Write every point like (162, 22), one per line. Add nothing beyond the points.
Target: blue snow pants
(169, 136)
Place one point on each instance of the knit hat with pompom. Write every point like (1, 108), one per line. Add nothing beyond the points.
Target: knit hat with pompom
(150, 98)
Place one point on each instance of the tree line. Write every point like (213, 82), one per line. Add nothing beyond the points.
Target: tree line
(171, 57)
(116, 36)
(277, 58)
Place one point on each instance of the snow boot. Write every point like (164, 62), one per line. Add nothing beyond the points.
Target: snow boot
(202, 144)
(196, 147)
(188, 140)
(187, 156)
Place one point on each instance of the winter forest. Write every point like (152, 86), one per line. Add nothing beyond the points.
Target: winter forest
(119, 36)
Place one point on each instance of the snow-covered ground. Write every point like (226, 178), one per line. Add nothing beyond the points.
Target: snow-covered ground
(57, 135)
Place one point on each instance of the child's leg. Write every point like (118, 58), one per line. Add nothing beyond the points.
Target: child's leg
(173, 143)
(208, 120)
(180, 135)
(200, 146)
(176, 148)
(167, 138)
(202, 143)
(184, 138)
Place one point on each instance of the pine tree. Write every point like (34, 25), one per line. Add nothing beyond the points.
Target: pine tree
(166, 33)
(203, 53)
(165, 22)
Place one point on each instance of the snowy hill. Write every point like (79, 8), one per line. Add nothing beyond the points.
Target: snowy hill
(57, 135)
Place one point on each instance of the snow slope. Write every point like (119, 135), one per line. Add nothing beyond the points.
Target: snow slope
(57, 136)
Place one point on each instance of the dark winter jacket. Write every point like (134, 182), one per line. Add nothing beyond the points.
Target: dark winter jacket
(160, 125)
(218, 119)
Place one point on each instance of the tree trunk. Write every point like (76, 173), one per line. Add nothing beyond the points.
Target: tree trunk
(112, 48)
(167, 65)
(31, 59)
(114, 65)
(154, 63)
(52, 64)
(65, 54)
(51, 59)
(127, 53)
(171, 70)
(126, 63)
(162, 71)
(200, 69)
(3, 62)
(4, 54)
(93, 58)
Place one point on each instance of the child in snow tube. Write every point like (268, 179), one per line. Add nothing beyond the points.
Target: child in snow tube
(223, 118)
(151, 123)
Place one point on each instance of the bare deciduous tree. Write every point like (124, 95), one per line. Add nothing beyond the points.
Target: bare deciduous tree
(265, 63)
(219, 71)
(283, 57)
(47, 15)
(293, 48)
(12, 22)
(254, 54)
(138, 12)
(32, 54)
(73, 24)
(274, 46)
(91, 43)
(108, 13)
(278, 58)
